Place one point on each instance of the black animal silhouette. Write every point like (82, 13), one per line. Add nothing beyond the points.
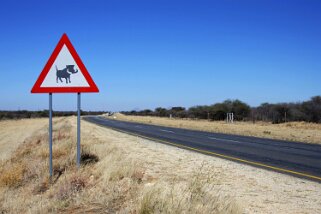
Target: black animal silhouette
(64, 73)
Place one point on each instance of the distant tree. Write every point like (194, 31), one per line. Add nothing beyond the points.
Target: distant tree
(240, 109)
(146, 112)
(296, 113)
(133, 112)
(178, 112)
(161, 112)
(218, 111)
(312, 109)
(200, 112)
(280, 112)
(177, 109)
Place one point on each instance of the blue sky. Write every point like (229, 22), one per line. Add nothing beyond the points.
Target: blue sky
(144, 54)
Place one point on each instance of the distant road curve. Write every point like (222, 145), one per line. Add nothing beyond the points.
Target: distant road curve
(297, 159)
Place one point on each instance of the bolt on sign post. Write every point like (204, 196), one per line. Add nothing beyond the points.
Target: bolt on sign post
(64, 73)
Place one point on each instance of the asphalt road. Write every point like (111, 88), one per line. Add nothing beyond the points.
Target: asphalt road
(297, 159)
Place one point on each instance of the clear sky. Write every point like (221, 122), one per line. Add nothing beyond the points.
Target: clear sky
(145, 54)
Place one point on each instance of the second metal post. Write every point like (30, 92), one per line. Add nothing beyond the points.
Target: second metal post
(78, 130)
(50, 135)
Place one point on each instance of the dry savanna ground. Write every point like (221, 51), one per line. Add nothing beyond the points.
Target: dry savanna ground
(292, 131)
(14, 131)
(127, 174)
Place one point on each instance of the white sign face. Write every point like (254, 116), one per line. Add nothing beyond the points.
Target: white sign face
(64, 72)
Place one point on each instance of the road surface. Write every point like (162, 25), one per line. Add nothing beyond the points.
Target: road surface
(298, 159)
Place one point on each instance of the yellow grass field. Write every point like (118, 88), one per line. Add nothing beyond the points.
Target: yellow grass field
(292, 131)
(127, 174)
(13, 132)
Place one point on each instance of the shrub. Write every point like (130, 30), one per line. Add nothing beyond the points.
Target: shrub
(13, 175)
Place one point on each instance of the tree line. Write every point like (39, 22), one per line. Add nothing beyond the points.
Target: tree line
(309, 111)
(44, 113)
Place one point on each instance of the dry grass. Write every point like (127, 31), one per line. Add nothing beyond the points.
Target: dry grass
(13, 132)
(198, 195)
(111, 179)
(12, 175)
(293, 131)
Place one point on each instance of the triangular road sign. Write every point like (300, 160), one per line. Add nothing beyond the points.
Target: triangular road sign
(64, 72)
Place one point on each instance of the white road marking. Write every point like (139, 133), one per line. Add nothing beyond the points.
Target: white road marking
(215, 138)
(163, 130)
(138, 126)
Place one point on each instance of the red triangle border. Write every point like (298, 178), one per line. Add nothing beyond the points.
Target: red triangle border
(37, 86)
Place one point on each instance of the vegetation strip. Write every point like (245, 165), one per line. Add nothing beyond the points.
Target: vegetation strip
(308, 111)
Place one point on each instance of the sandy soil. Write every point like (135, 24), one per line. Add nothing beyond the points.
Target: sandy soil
(255, 190)
(14, 132)
(292, 131)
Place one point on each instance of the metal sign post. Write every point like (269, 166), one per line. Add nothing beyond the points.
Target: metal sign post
(50, 135)
(78, 130)
(64, 73)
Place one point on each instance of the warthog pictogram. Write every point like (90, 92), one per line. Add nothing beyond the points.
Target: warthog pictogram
(65, 73)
